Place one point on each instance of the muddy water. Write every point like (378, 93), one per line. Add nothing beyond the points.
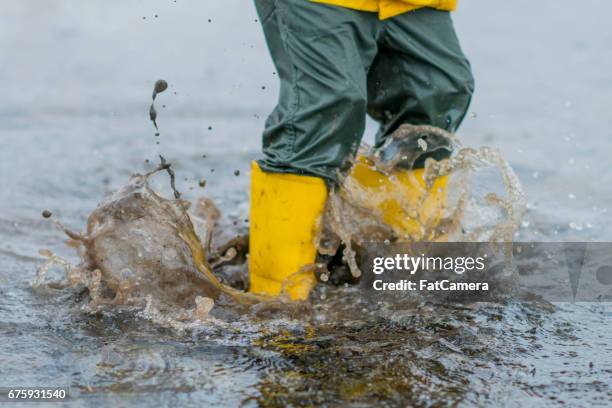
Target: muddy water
(68, 140)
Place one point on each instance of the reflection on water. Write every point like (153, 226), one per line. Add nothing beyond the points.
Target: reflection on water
(344, 350)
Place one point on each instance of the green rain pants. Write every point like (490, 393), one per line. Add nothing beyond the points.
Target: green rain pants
(336, 65)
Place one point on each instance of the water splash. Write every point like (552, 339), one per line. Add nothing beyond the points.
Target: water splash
(141, 249)
(159, 87)
(473, 211)
(145, 251)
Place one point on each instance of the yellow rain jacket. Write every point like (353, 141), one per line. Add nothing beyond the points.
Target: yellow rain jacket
(390, 8)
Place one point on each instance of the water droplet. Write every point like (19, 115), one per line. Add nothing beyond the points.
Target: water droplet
(160, 86)
(422, 144)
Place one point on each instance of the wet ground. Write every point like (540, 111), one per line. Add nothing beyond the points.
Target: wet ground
(74, 125)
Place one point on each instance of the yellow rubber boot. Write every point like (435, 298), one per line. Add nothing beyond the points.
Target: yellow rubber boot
(285, 213)
(403, 200)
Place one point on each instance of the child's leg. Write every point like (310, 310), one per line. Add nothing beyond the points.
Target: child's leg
(420, 75)
(321, 54)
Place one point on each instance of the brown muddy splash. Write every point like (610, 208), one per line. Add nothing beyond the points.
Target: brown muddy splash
(141, 249)
(159, 87)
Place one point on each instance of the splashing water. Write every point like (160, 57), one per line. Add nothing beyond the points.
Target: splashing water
(472, 212)
(142, 250)
(159, 87)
